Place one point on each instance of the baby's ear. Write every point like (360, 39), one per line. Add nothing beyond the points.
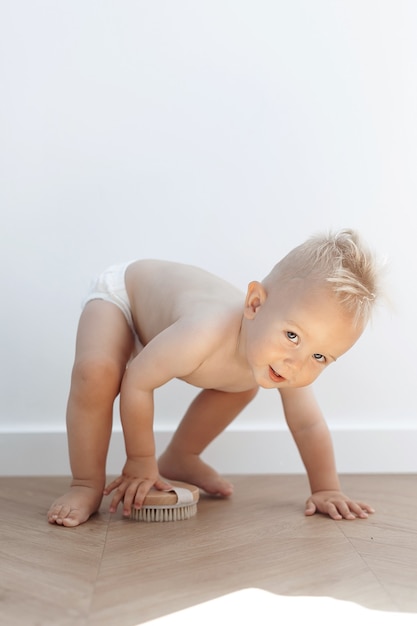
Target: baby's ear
(255, 297)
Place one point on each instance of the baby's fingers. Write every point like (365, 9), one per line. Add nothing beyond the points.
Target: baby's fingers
(137, 492)
(366, 507)
(360, 509)
(113, 485)
(136, 495)
(162, 485)
(118, 496)
(334, 512)
(310, 507)
(351, 510)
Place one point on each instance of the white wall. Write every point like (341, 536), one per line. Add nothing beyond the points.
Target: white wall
(220, 133)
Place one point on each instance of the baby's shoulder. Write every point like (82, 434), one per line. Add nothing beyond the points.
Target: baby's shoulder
(180, 283)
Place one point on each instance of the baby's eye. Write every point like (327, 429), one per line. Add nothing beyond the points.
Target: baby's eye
(292, 336)
(319, 357)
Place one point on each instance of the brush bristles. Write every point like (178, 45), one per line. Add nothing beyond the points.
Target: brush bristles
(173, 513)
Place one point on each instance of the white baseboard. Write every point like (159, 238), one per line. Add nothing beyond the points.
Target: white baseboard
(234, 452)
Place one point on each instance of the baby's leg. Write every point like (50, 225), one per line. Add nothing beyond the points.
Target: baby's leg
(104, 344)
(207, 417)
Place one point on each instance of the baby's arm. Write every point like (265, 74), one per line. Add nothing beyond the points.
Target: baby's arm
(140, 471)
(173, 353)
(314, 443)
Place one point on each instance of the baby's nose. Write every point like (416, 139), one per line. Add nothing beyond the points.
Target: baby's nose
(294, 364)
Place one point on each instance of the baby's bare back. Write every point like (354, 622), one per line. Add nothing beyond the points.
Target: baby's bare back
(163, 293)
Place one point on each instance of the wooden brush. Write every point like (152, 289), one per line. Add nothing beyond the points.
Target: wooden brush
(179, 503)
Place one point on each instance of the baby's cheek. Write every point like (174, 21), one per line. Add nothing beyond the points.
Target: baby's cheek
(310, 376)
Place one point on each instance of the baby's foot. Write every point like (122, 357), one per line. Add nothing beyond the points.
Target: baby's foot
(191, 469)
(75, 506)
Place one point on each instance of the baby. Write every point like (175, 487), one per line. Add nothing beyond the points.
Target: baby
(150, 321)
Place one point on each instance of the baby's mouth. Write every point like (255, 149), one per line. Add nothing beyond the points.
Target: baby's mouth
(277, 378)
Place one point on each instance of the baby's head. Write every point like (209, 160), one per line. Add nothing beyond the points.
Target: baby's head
(340, 261)
(310, 309)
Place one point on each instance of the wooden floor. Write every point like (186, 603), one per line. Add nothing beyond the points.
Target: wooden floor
(112, 571)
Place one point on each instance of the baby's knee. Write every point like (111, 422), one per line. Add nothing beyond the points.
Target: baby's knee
(95, 371)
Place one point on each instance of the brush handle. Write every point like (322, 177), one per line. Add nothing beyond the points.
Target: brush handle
(181, 494)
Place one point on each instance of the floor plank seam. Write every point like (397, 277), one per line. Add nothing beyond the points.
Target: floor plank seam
(99, 567)
(376, 577)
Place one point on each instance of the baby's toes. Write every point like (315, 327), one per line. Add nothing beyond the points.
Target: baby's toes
(73, 518)
(56, 513)
(61, 514)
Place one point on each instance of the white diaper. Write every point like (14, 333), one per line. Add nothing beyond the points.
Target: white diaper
(110, 286)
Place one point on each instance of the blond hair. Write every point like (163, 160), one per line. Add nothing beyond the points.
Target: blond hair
(340, 259)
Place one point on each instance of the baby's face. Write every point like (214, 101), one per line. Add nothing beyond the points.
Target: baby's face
(295, 333)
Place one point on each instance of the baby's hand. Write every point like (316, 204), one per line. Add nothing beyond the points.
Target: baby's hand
(137, 478)
(336, 505)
